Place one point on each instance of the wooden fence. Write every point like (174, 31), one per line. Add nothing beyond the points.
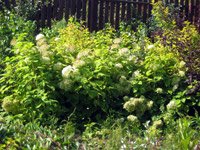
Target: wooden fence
(96, 13)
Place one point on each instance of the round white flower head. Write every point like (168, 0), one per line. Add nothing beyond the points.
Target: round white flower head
(136, 73)
(171, 105)
(83, 54)
(43, 47)
(182, 64)
(41, 42)
(181, 73)
(124, 51)
(150, 104)
(78, 63)
(150, 46)
(45, 60)
(39, 37)
(133, 119)
(66, 71)
(133, 104)
(159, 90)
(157, 124)
(119, 66)
(117, 41)
(114, 46)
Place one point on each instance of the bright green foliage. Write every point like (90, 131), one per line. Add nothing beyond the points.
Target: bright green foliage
(28, 84)
(10, 27)
(58, 83)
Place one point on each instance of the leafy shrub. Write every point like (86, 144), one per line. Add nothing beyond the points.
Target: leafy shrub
(184, 41)
(27, 82)
(10, 26)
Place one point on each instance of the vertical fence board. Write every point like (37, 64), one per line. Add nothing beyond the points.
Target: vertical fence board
(182, 8)
(67, 4)
(123, 11)
(197, 11)
(73, 7)
(84, 10)
(191, 11)
(149, 8)
(117, 15)
(139, 10)
(49, 14)
(78, 9)
(43, 16)
(187, 9)
(60, 9)
(101, 14)
(128, 11)
(145, 11)
(55, 8)
(112, 5)
(106, 12)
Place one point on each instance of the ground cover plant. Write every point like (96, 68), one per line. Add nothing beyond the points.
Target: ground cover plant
(110, 89)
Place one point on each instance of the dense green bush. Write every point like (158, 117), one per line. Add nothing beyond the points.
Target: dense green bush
(66, 78)
(10, 26)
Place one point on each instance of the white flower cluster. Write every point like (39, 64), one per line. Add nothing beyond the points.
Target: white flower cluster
(159, 90)
(66, 71)
(136, 74)
(43, 48)
(114, 46)
(119, 66)
(171, 105)
(139, 105)
(83, 54)
(117, 41)
(150, 46)
(133, 119)
(124, 52)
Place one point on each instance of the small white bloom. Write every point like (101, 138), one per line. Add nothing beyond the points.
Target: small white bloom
(39, 37)
(150, 104)
(182, 64)
(45, 60)
(159, 90)
(117, 41)
(83, 54)
(133, 119)
(43, 47)
(119, 65)
(181, 73)
(41, 42)
(150, 46)
(136, 73)
(114, 46)
(171, 105)
(66, 71)
(78, 63)
(124, 51)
